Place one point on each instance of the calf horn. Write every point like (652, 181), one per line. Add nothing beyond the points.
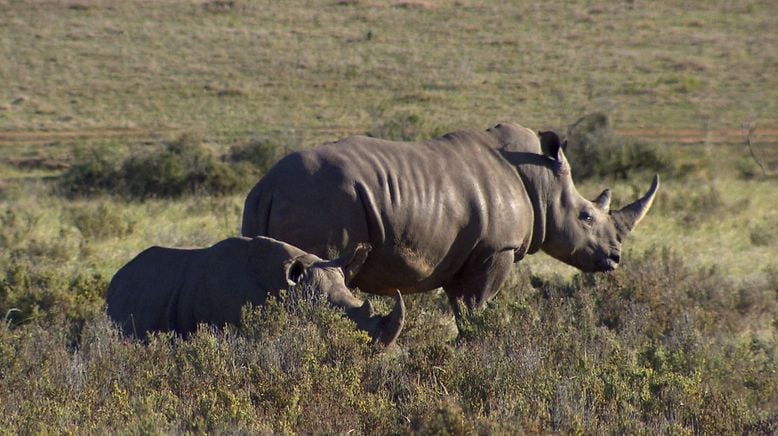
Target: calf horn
(391, 325)
(629, 216)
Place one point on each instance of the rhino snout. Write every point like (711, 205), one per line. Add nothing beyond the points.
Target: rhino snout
(610, 263)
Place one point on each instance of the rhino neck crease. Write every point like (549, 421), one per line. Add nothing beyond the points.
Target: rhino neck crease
(536, 175)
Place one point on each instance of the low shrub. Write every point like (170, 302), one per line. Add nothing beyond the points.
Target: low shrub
(96, 172)
(15, 227)
(27, 294)
(594, 151)
(763, 233)
(696, 206)
(263, 150)
(747, 168)
(182, 167)
(655, 347)
(100, 221)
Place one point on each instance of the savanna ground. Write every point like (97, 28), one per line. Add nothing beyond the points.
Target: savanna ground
(130, 124)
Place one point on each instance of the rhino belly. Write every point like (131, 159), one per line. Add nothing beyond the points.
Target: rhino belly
(392, 266)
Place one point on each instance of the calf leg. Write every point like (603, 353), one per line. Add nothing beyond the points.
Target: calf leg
(478, 281)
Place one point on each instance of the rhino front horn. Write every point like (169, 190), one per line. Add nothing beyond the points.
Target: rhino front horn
(629, 216)
(391, 325)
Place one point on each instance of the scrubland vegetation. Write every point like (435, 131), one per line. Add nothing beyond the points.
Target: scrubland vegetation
(130, 124)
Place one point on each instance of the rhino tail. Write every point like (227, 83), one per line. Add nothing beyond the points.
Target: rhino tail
(256, 213)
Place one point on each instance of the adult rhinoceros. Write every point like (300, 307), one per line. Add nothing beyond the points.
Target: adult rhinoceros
(453, 212)
(167, 289)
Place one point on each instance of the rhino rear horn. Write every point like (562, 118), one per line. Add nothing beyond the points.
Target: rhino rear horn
(391, 325)
(629, 216)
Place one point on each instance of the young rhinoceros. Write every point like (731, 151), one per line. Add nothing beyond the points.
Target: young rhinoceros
(168, 289)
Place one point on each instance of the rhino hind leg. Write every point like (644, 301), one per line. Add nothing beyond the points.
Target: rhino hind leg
(477, 282)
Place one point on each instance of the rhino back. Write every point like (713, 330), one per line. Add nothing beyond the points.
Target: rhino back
(143, 295)
(238, 271)
(423, 206)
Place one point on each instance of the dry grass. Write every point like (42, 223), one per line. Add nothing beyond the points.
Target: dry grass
(654, 348)
(247, 66)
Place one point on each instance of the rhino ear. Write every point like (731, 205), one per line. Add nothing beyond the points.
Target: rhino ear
(552, 147)
(603, 201)
(294, 270)
(352, 262)
(550, 144)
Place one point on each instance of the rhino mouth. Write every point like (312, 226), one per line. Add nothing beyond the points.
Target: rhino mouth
(607, 264)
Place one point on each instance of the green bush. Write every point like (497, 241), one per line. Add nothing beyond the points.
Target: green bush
(95, 173)
(29, 295)
(594, 151)
(747, 168)
(263, 150)
(696, 206)
(178, 169)
(182, 167)
(654, 347)
(763, 233)
(15, 227)
(100, 221)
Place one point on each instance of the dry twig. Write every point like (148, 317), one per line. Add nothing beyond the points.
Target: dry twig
(748, 130)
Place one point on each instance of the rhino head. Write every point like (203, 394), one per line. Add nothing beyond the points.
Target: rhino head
(332, 277)
(582, 233)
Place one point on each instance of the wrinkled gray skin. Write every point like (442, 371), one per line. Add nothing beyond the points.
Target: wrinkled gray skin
(453, 212)
(167, 289)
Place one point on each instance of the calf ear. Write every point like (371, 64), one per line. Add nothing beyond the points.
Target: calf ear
(293, 271)
(351, 262)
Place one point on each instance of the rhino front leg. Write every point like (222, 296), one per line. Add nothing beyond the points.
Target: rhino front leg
(478, 281)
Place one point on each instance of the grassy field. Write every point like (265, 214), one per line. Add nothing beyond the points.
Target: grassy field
(130, 124)
(224, 68)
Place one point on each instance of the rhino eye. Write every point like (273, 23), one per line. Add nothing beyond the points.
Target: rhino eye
(586, 217)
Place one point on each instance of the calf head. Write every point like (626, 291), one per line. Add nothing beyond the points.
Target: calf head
(582, 233)
(331, 277)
